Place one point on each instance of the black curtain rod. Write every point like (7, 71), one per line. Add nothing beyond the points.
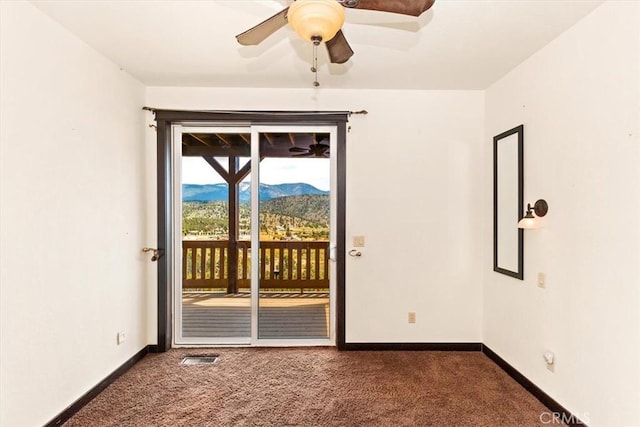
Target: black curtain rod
(264, 112)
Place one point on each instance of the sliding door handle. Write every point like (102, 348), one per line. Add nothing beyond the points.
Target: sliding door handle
(157, 253)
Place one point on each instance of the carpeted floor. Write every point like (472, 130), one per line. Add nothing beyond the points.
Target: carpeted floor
(314, 387)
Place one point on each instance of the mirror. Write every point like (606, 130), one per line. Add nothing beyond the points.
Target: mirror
(508, 179)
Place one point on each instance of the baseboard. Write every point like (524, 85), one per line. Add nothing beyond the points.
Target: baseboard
(88, 396)
(415, 346)
(557, 410)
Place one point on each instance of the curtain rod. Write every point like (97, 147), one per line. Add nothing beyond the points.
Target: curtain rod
(284, 113)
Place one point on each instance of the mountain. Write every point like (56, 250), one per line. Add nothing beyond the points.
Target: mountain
(219, 192)
(204, 193)
(303, 217)
(310, 207)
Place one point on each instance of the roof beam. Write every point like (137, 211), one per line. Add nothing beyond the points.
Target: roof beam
(200, 140)
(221, 151)
(224, 139)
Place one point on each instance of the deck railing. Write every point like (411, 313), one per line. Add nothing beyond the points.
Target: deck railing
(283, 264)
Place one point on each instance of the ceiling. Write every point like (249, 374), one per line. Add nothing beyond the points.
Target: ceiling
(457, 44)
(209, 145)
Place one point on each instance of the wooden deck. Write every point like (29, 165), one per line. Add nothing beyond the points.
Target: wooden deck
(280, 315)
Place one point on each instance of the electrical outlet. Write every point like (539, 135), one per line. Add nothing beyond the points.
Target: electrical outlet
(358, 241)
(412, 317)
(550, 360)
(120, 338)
(542, 280)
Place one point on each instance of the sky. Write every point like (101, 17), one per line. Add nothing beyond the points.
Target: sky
(312, 171)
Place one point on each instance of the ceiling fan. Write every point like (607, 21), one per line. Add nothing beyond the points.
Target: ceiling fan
(316, 149)
(320, 21)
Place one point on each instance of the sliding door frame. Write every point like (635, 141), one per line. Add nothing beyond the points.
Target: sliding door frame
(165, 119)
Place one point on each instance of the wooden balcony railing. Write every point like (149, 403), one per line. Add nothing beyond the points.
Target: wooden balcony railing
(283, 265)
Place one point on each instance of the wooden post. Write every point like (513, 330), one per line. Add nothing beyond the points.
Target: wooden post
(232, 176)
(234, 217)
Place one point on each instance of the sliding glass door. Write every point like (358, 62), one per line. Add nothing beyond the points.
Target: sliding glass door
(292, 189)
(254, 208)
(212, 172)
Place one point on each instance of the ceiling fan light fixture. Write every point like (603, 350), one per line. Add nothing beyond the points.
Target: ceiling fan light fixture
(313, 19)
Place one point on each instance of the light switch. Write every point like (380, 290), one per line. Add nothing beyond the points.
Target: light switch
(412, 317)
(542, 280)
(358, 241)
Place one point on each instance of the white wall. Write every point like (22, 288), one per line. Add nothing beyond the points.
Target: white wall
(414, 181)
(579, 100)
(72, 217)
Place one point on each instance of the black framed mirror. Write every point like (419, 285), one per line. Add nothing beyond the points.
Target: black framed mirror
(508, 199)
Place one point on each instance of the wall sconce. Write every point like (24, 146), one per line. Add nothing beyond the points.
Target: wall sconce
(540, 208)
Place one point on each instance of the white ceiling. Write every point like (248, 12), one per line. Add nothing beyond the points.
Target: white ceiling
(458, 44)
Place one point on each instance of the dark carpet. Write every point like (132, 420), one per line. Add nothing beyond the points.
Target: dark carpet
(314, 387)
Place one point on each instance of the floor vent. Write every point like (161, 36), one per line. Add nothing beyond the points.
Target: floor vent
(200, 360)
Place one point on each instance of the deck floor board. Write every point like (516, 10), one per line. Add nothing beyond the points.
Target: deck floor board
(280, 316)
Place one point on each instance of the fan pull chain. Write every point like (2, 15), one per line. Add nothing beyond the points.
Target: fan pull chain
(314, 69)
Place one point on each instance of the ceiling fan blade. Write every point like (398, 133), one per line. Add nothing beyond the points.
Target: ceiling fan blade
(264, 29)
(339, 49)
(304, 155)
(298, 150)
(403, 7)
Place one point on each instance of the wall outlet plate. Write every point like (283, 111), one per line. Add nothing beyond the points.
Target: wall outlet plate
(120, 338)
